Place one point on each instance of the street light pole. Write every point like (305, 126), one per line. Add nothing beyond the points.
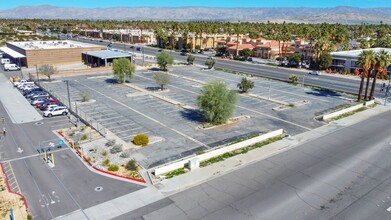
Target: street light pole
(69, 97)
(388, 87)
(142, 50)
(36, 70)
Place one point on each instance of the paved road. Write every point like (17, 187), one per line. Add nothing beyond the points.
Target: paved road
(325, 81)
(52, 192)
(343, 175)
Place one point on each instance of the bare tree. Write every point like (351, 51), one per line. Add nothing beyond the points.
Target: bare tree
(48, 71)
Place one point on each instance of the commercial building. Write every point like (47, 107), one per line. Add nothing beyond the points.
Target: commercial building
(103, 57)
(38, 53)
(347, 60)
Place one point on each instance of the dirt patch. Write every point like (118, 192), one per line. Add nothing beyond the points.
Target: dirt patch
(10, 200)
(232, 122)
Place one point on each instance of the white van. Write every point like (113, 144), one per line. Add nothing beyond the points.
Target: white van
(5, 61)
(11, 66)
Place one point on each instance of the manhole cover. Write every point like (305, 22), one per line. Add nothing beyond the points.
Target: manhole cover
(39, 123)
(98, 189)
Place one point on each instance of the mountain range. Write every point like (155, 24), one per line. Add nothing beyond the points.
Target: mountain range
(343, 15)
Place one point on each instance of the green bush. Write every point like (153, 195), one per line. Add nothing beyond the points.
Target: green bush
(175, 173)
(106, 162)
(113, 168)
(84, 137)
(131, 165)
(293, 78)
(141, 139)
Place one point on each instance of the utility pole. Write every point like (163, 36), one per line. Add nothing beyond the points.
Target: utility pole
(142, 50)
(69, 97)
(36, 70)
(387, 88)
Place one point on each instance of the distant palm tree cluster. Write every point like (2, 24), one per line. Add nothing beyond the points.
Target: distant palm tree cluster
(326, 36)
(373, 65)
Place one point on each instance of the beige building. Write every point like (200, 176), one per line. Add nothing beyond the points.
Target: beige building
(31, 53)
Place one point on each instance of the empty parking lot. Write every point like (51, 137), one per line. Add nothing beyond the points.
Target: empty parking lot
(127, 110)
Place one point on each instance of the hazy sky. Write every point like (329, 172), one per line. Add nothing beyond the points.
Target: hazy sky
(4, 4)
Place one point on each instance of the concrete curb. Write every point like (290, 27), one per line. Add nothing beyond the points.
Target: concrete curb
(201, 175)
(78, 152)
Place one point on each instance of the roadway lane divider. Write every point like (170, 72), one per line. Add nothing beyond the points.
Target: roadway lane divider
(80, 153)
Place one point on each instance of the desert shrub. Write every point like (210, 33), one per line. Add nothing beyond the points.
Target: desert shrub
(293, 78)
(141, 139)
(131, 165)
(113, 168)
(104, 153)
(124, 154)
(116, 149)
(110, 142)
(85, 97)
(106, 162)
(84, 137)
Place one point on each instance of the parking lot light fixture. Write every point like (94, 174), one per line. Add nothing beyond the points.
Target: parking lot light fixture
(387, 88)
(69, 96)
(36, 70)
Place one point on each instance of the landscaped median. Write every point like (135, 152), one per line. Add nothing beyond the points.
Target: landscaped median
(113, 170)
(219, 154)
(347, 111)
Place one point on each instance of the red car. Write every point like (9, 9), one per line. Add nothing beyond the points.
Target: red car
(47, 102)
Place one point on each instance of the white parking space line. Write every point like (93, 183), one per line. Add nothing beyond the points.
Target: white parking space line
(256, 112)
(119, 126)
(111, 118)
(170, 112)
(103, 114)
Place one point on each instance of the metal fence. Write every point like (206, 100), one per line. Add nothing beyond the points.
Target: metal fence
(77, 112)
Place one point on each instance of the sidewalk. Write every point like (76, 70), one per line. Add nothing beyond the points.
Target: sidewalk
(195, 177)
(16, 105)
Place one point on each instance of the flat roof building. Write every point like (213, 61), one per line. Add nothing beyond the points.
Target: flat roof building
(347, 60)
(103, 57)
(48, 52)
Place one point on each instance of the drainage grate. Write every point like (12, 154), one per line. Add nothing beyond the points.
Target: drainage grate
(98, 189)
(39, 123)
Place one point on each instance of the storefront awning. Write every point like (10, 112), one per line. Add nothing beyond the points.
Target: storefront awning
(12, 53)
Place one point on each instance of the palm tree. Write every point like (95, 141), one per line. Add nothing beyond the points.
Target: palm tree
(366, 60)
(383, 59)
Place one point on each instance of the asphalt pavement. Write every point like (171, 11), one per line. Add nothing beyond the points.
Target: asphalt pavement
(328, 81)
(51, 191)
(339, 171)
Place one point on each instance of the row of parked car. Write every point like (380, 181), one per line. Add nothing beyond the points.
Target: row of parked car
(41, 99)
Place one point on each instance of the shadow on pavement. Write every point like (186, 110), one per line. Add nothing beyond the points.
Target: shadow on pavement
(320, 92)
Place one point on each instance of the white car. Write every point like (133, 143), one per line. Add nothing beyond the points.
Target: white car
(315, 73)
(36, 101)
(20, 82)
(59, 110)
